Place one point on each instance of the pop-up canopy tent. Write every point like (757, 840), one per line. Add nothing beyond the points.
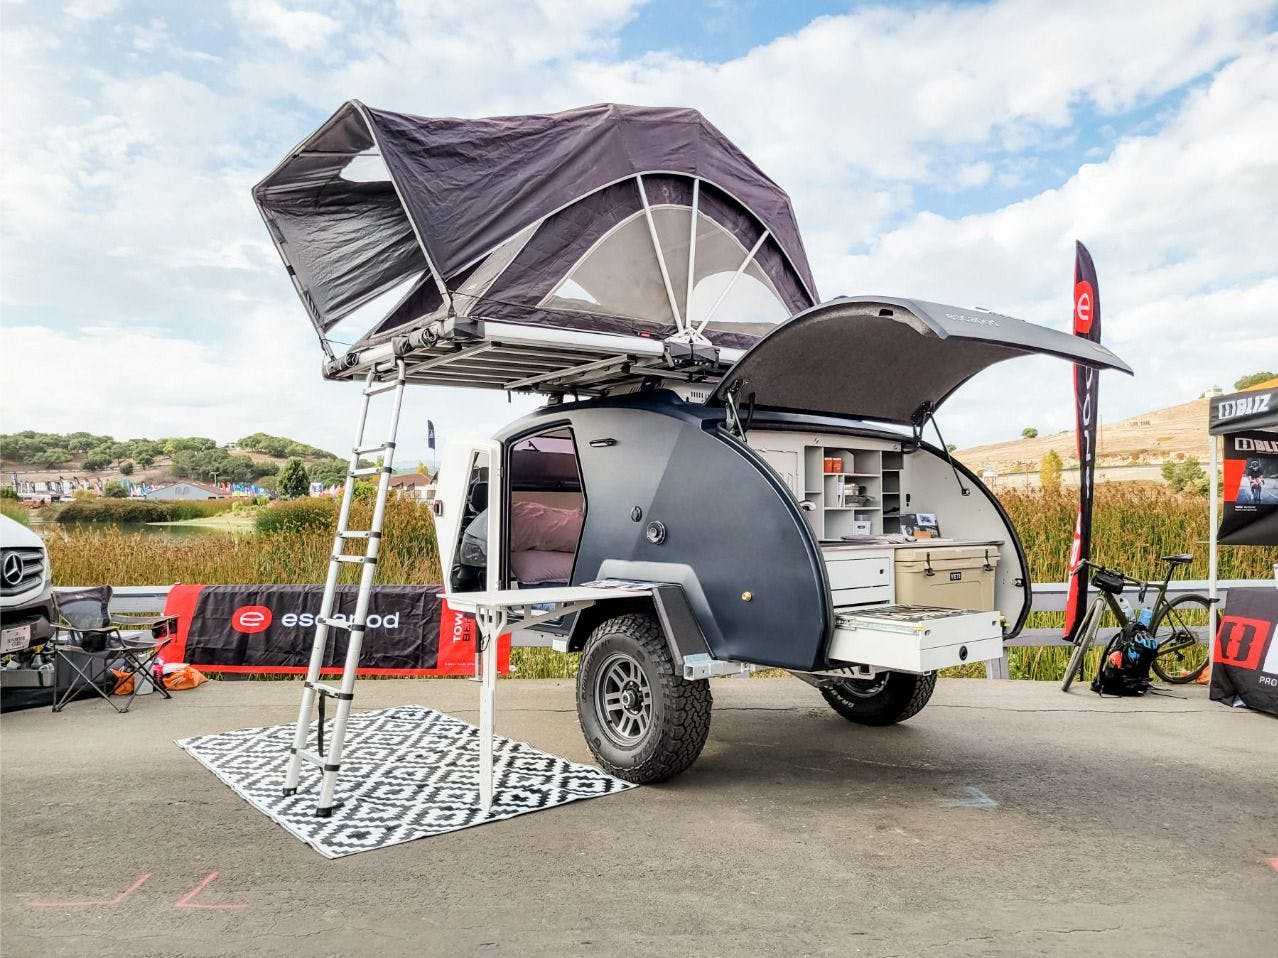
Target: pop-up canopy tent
(1248, 423)
(602, 234)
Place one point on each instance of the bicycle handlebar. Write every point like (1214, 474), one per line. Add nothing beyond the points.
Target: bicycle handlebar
(1100, 568)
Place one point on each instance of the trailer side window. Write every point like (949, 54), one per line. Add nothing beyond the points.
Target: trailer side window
(547, 509)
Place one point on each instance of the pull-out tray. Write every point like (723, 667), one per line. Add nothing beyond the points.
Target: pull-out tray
(916, 638)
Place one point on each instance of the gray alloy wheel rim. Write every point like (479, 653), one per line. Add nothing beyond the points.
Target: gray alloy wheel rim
(865, 688)
(623, 700)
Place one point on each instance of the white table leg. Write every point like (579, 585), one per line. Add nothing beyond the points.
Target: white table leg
(491, 623)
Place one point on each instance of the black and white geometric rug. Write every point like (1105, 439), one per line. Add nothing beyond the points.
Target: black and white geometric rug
(407, 772)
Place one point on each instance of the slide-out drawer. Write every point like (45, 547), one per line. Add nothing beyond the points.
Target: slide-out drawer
(864, 596)
(858, 570)
(916, 638)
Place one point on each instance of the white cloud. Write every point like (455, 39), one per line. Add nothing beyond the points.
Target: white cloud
(296, 29)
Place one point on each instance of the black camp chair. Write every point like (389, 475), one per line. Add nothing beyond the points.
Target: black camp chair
(91, 644)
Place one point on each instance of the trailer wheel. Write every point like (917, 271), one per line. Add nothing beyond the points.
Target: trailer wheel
(886, 699)
(643, 721)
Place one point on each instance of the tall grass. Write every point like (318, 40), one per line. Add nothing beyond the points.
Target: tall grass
(291, 554)
(15, 511)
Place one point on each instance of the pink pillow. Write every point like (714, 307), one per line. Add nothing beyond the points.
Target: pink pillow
(544, 528)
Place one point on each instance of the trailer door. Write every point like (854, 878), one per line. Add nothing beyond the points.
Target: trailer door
(888, 360)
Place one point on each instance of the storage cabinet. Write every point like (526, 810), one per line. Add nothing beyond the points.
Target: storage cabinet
(849, 485)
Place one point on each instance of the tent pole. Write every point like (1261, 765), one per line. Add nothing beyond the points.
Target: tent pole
(661, 260)
(735, 276)
(1213, 549)
(692, 250)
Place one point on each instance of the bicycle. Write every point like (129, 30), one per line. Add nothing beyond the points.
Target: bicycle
(1169, 622)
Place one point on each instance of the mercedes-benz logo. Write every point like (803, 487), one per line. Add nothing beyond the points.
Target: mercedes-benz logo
(12, 571)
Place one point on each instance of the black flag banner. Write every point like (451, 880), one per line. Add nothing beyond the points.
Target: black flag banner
(1087, 323)
(430, 434)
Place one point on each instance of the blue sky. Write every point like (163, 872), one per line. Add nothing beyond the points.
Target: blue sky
(951, 152)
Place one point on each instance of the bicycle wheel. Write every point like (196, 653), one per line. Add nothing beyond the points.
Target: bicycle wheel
(1181, 657)
(1082, 642)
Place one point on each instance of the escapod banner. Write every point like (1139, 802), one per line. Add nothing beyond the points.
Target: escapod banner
(271, 628)
(1087, 323)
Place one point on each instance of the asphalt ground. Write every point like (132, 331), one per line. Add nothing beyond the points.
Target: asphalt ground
(1007, 818)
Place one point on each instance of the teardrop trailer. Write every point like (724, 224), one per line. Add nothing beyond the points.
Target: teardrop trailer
(724, 468)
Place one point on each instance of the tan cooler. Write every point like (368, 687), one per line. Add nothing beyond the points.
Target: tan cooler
(962, 577)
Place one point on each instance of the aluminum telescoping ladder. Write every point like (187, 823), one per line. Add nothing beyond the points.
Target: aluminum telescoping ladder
(313, 692)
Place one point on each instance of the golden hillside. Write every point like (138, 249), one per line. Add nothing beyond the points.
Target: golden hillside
(1132, 448)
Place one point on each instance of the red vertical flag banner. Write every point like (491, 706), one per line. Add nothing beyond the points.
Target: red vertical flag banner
(1087, 323)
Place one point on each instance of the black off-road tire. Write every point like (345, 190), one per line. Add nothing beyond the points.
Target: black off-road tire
(677, 724)
(902, 695)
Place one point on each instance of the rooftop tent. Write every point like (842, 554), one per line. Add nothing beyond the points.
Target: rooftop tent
(610, 220)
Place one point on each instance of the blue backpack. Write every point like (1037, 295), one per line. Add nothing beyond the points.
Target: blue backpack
(1124, 668)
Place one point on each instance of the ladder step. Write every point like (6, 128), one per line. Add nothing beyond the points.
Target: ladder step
(370, 470)
(331, 692)
(332, 623)
(378, 447)
(306, 755)
(371, 560)
(382, 388)
(359, 535)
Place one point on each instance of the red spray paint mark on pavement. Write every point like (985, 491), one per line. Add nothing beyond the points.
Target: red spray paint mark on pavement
(1273, 863)
(188, 901)
(105, 903)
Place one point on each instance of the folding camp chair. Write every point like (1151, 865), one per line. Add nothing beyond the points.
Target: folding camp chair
(91, 644)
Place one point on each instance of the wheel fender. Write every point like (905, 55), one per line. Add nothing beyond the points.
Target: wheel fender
(668, 604)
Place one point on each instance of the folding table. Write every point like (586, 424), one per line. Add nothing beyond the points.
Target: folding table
(494, 611)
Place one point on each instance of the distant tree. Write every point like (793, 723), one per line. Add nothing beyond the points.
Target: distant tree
(1029, 432)
(146, 460)
(1187, 476)
(268, 484)
(1049, 471)
(949, 447)
(293, 480)
(54, 456)
(115, 489)
(421, 469)
(1253, 379)
(96, 463)
(126, 467)
(331, 472)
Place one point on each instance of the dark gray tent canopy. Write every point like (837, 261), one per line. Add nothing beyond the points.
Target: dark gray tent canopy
(623, 220)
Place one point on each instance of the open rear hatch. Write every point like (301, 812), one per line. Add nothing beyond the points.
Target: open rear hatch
(887, 359)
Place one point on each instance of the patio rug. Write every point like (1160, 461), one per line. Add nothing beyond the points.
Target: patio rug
(408, 772)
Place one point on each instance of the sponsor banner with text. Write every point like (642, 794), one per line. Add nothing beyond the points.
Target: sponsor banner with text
(1246, 660)
(1250, 516)
(1087, 324)
(271, 629)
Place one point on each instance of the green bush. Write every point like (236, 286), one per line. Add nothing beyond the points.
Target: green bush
(116, 490)
(8, 492)
(297, 515)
